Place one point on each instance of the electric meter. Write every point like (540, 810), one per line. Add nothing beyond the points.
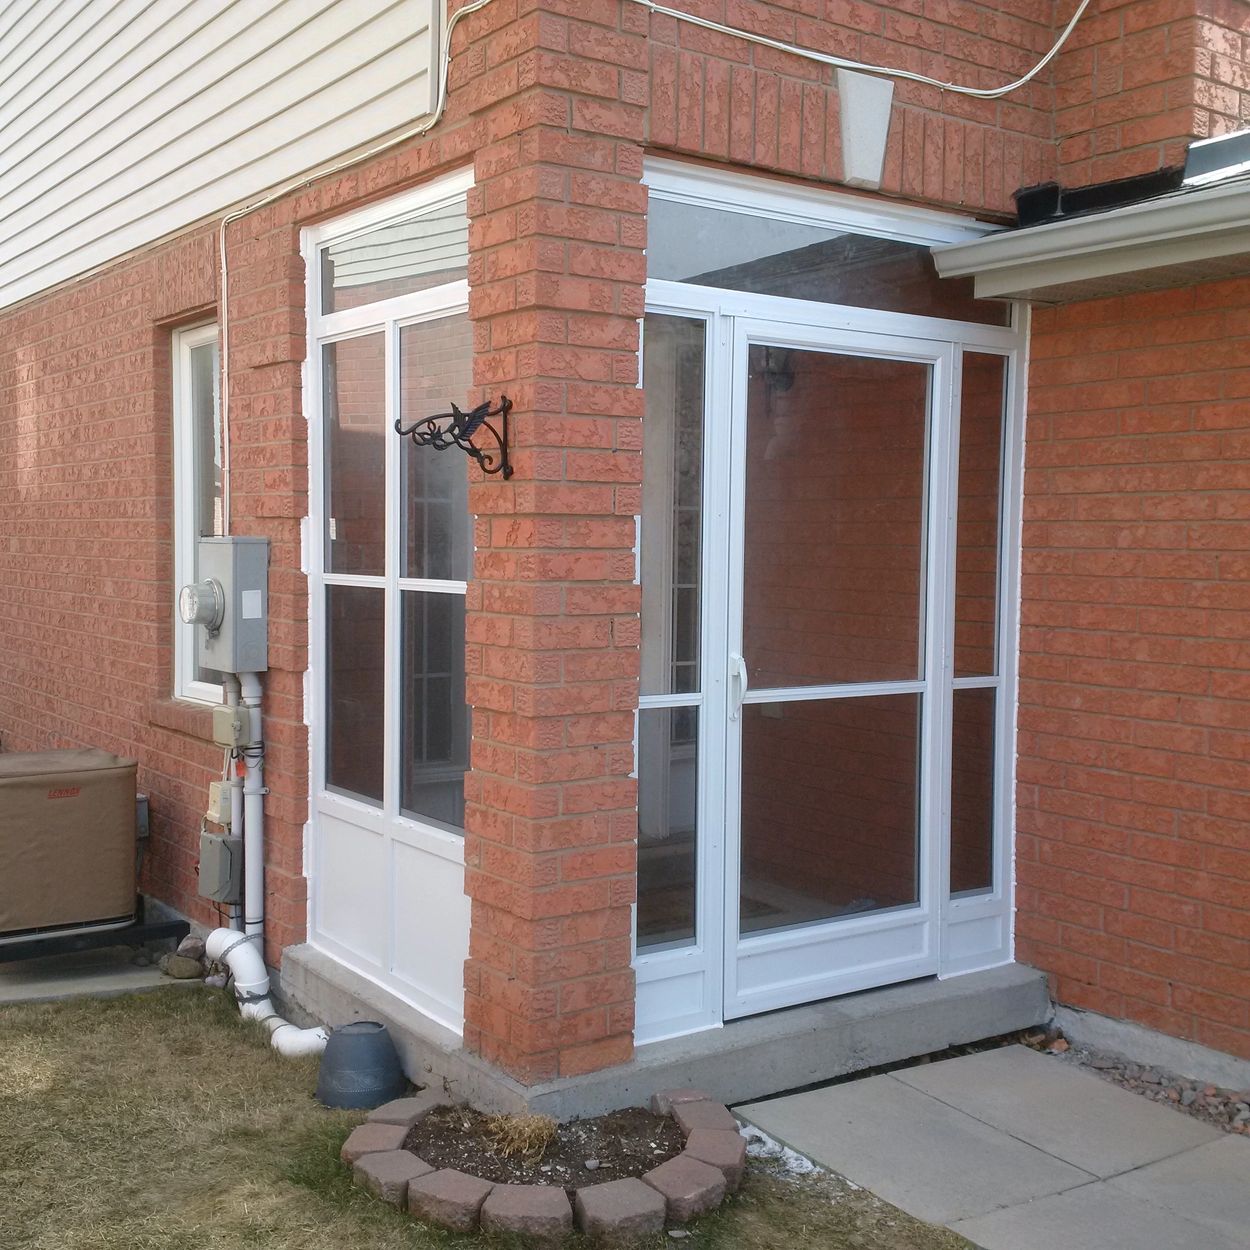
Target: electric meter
(203, 603)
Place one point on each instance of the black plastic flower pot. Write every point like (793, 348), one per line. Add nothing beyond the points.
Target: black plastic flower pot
(360, 1067)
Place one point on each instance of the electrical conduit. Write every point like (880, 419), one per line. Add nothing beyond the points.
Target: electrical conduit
(243, 953)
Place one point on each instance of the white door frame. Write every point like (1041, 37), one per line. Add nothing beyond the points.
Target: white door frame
(686, 989)
(780, 968)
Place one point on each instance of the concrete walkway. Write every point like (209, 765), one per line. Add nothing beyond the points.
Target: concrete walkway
(1017, 1150)
(97, 973)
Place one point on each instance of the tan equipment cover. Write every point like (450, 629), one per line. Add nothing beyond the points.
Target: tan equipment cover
(67, 839)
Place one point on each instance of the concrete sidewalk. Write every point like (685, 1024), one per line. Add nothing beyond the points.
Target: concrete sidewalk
(1016, 1150)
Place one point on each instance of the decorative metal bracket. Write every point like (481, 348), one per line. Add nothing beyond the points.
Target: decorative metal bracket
(456, 429)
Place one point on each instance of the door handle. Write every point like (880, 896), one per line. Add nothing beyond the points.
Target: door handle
(737, 685)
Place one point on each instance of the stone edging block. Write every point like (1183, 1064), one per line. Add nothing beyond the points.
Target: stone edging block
(368, 1139)
(449, 1198)
(386, 1174)
(407, 1111)
(617, 1213)
(541, 1212)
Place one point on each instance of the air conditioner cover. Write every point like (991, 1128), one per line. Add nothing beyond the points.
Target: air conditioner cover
(67, 840)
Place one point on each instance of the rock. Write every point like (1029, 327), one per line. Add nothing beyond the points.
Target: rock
(663, 1102)
(1058, 1046)
(450, 1199)
(217, 980)
(540, 1212)
(192, 947)
(620, 1212)
(690, 1187)
(1102, 1063)
(1150, 1076)
(367, 1139)
(407, 1111)
(1188, 1096)
(387, 1174)
(141, 959)
(591, 1165)
(675, 1233)
(181, 968)
(693, 1115)
(725, 1151)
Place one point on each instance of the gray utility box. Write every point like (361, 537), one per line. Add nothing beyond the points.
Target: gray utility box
(240, 566)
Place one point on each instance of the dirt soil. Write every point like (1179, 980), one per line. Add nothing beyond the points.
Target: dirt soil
(624, 1143)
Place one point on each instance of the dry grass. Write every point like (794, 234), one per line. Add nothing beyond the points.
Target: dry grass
(162, 1122)
(521, 1136)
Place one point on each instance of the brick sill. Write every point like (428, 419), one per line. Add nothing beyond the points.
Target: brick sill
(183, 716)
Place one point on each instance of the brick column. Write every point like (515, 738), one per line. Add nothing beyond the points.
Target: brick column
(556, 274)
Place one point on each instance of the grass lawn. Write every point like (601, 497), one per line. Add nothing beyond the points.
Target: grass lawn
(163, 1121)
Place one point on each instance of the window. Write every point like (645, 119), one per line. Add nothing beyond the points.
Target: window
(393, 340)
(198, 499)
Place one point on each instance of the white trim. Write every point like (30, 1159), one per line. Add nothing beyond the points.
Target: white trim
(1178, 229)
(756, 195)
(185, 540)
(433, 194)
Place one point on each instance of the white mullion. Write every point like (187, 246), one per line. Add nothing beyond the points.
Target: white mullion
(944, 515)
(839, 690)
(434, 584)
(429, 304)
(374, 580)
(391, 662)
(976, 683)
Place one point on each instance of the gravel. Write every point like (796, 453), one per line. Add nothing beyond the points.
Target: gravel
(1227, 1109)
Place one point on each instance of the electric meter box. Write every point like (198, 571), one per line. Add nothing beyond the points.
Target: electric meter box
(240, 566)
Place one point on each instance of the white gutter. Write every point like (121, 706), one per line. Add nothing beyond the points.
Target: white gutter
(1184, 228)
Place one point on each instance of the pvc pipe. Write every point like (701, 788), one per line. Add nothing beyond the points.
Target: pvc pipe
(230, 684)
(241, 954)
(253, 811)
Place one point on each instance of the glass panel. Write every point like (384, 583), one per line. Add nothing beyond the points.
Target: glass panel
(972, 790)
(205, 419)
(977, 557)
(354, 376)
(744, 252)
(355, 634)
(436, 370)
(834, 518)
(672, 502)
(434, 721)
(424, 251)
(830, 794)
(668, 784)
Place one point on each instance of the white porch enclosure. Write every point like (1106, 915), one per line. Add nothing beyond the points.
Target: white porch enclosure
(831, 451)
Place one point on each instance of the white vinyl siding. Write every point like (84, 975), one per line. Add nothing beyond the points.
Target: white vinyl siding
(123, 121)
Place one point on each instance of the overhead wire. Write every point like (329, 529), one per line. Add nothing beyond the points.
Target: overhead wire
(440, 104)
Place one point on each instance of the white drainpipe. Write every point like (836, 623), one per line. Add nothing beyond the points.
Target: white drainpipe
(243, 953)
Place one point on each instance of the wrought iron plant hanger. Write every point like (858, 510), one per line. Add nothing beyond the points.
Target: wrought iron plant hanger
(457, 429)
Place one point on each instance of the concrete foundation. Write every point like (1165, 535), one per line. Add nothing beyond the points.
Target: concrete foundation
(744, 1059)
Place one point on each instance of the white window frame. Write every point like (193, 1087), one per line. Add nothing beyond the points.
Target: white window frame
(353, 906)
(185, 538)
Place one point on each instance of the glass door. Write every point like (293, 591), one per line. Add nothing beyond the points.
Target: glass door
(832, 750)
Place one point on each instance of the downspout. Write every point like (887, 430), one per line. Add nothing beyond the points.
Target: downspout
(243, 953)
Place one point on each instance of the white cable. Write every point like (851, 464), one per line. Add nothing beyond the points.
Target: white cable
(841, 62)
(440, 103)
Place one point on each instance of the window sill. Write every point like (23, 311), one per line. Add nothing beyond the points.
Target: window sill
(184, 716)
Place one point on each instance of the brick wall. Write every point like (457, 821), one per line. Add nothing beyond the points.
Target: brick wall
(1140, 79)
(1133, 851)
